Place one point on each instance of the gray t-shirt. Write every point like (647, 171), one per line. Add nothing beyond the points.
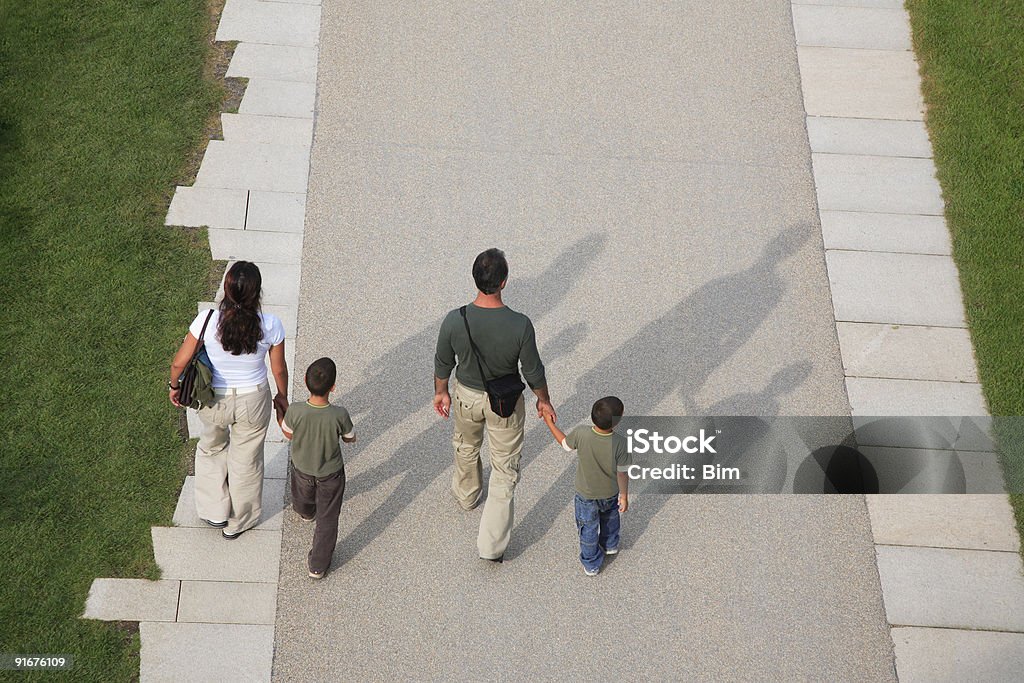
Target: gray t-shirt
(505, 339)
(316, 430)
(601, 457)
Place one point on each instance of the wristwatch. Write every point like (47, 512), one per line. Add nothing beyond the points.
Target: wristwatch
(172, 388)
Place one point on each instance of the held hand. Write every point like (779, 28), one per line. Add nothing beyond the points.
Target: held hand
(623, 502)
(443, 404)
(280, 405)
(176, 398)
(544, 409)
(549, 418)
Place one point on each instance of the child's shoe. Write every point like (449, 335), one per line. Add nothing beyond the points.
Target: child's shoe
(611, 551)
(316, 575)
(590, 572)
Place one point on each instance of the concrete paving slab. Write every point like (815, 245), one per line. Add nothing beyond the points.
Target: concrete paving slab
(204, 555)
(132, 600)
(227, 602)
(943, 655)
(267, 130)
(275, 461)
(874, 28)
(847, 182)
(927, 471)
(970, 589)
(205, 652)
(889, 4)
(255, 245)
(907, 352)
(274, 23)
(864, 231)
(276, 62)
(901, 289)
(874, 137)
(213, 207)
(249, 166)
(869, 84)
(276, 211)
(273, 504)
(871, 396)
(971, 521)
(265, 97)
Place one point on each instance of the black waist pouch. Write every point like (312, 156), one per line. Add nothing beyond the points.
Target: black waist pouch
(503, 393)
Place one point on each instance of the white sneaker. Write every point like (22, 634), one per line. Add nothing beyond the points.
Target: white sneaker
(590, 572)
(611, 551)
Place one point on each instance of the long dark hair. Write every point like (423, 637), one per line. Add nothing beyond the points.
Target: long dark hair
(240, 328)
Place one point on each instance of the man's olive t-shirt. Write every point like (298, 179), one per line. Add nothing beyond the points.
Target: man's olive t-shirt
(316, 430)
(505, 339)
(601, 457)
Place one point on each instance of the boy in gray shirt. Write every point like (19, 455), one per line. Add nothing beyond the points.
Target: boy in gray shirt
(318, 471)
(602, 485)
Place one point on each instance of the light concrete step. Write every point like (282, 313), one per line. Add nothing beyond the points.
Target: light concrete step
(267, 130)
(849, 182)
(227, 602)
(872, 137)
(875, 28)
(210, 206)
(868, 84)
(907, 352)
(132, 600)
(944, 655)
(204, 555)
(252, 245)
(251, 166)
(276, 211)
(273, 505)
(898, 289)
(275, 23)
(276, 62)
(266, 97)
(968, 589)
(980, 522)
(889, 232)
(225, 653)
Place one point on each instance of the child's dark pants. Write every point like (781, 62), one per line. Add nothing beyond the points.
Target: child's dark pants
(320, 498)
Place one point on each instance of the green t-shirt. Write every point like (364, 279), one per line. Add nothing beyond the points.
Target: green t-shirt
(601, 457)
(505, 338)
(316, 450)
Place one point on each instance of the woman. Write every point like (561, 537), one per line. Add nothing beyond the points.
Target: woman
(229, 457)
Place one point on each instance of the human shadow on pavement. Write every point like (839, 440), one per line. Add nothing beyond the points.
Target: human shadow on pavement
(421, 459)
(673, 354)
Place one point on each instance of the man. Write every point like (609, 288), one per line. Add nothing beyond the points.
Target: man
(505, 340)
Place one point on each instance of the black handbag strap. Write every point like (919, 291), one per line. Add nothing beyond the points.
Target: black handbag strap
(202, 333)
(472, 345)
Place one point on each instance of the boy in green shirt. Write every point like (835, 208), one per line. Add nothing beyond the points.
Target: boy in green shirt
(602, 485)
(318, 471)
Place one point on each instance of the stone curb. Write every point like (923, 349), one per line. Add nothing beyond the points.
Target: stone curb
(211, 616)
(949, 565)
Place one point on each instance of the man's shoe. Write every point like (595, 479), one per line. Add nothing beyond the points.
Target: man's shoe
(611, 551)
(591, 572)
(215, 525)
(233, 536)
(316, 575)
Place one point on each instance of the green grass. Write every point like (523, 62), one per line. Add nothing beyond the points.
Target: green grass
(972, 64)
(101, 103)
